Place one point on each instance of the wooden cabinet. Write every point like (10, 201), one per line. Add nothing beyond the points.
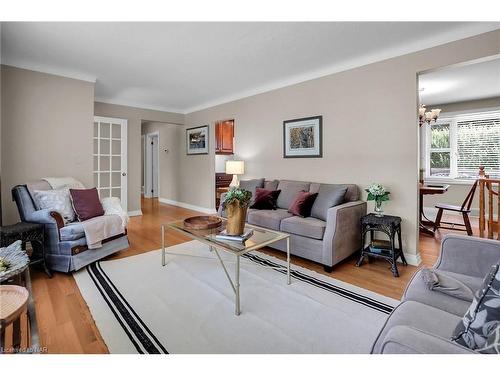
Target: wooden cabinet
(224, 137)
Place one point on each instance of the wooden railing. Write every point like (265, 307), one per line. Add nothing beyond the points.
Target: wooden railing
(489, 188)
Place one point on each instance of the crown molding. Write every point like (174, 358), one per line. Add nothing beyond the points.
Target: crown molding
(50, 70)
(452, 36)
(127, 103)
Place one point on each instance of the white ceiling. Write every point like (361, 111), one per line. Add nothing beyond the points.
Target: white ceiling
(457, 84)
(188, 66)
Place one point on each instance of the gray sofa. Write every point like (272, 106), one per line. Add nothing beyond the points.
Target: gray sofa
(65, 245)
(425, 320)
(325, 242)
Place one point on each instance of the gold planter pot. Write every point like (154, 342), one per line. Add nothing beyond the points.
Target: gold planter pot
(235, 219)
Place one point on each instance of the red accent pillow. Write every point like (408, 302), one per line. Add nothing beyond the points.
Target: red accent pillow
(265, 199)
(302, 204)
(86, 203)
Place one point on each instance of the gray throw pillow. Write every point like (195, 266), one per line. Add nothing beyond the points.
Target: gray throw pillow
(271, 185)
(251, 185)
(328, 196)
(483, 315)
(440, 282)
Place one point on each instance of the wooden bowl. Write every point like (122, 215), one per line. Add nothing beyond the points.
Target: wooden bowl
(202, 222)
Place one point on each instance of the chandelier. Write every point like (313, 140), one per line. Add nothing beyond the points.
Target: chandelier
(427, 116)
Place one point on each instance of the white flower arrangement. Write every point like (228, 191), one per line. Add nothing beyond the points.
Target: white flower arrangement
(377, 192)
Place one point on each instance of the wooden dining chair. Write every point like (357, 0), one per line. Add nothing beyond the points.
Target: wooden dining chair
(464, 209)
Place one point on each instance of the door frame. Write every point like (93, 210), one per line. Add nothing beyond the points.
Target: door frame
(123, 154)
(147, 166)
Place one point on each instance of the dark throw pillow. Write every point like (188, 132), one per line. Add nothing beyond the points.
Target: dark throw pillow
(483, 315)
(86, 203)
(302, 204)
(251, 186)
(265, 199)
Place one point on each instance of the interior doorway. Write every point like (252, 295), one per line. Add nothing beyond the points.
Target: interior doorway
(151, 165)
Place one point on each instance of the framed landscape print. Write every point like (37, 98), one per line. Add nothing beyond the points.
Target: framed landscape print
(302, 138)
(197, 140)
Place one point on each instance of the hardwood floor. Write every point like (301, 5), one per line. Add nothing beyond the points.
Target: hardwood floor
(64, 320)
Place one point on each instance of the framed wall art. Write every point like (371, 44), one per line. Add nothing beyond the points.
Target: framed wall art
(303, 138)
(197, 140)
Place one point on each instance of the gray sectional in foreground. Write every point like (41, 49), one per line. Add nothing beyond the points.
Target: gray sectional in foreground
(425, 320)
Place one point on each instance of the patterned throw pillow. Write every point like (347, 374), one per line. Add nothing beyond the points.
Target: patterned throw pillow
(483, 315)
(56, 200)
(493, 343)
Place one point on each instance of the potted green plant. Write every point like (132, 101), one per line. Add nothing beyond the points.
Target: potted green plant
(378, 193)
(236, 203)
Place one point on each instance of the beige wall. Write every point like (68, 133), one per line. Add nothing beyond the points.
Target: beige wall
(170, 150)
(457, 192)
(47, 130)
(135, 117)
(370, 131)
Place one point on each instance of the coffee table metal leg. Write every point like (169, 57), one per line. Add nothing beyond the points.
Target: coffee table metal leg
(162, 245)
(237, 286)
(288, 278)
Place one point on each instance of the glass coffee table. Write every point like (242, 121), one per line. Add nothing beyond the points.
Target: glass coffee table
(261, 237)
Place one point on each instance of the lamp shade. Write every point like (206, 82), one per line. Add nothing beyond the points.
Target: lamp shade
(235, 167)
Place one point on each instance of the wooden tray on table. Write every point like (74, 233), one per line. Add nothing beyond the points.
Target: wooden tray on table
(202, 222)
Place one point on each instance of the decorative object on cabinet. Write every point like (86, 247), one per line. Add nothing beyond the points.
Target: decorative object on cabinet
(303, 138)
(197, 140)
(235, 167)
(224, 137)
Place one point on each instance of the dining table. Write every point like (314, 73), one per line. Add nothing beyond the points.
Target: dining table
(426, 225)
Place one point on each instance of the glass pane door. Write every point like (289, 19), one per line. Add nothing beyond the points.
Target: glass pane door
(110, 158)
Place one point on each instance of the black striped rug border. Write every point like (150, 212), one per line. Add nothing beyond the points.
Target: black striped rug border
(127, 319)
(353, 296)
(130, 321)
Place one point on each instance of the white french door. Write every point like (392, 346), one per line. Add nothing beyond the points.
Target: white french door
(110, 158)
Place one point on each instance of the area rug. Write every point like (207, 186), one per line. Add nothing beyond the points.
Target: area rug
(188, 306)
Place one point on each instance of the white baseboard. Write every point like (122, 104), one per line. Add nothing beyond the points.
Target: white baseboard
(135, 213)
(432, 211)
(205, 210)
(413, 259)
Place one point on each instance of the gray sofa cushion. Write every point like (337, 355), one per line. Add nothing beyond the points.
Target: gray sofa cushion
(328, 196)
(268, 218)
(304, 226)
(443, 283)
(419, 316)
(72, 232)
(289, 190)
(251, 185)
(271, 185)
(418, 291)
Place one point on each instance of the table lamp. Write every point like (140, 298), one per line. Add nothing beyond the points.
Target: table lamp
(235, 167)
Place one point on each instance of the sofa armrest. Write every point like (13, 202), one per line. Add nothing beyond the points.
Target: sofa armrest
(42, 217)
(470, 256)
(343, 233)
(408, 340)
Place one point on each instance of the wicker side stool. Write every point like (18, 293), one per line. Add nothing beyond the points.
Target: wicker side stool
(14, 302)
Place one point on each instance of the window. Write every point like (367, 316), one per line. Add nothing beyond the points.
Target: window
(458, 145)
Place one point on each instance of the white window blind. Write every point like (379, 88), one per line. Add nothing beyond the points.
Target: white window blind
(458, 145)
(478, 144)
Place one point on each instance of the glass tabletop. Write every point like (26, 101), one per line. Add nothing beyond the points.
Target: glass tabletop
(261, 236)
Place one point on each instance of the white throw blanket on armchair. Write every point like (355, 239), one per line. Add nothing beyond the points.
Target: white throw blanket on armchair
(100, 228)
(113, 223)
